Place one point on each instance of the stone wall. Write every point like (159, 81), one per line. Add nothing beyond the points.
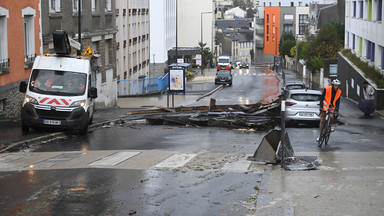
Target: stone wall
(352, 79)
(11, 100)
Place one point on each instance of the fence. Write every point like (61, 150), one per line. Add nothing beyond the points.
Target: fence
(129, 87)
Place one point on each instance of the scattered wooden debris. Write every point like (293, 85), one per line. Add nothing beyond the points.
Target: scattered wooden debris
(257, 116)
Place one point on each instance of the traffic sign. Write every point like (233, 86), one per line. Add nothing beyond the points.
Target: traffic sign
(88, 52)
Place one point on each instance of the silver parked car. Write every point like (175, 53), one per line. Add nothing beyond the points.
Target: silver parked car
(292, 84)
(302, 105)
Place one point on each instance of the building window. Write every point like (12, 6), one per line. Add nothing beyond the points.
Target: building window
(107, 44)
(134, 31)
(369, 17)
(95, 5)
(300, 4)
(4, 63)
(292, 4)
(54, 6)
(301, 30)
(273, 18)
(382, 57)
(75, 5)
(379, 10)
(354, 9)
(29, 38)
(267, 38)
(267, 18)
(108, 5)
(267, 29)
(288, 28)
(371, 51)
(303, 18)
(361, 9)
(353, 41)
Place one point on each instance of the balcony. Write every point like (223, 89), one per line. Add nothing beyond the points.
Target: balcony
(134, 11)
(259, 44)
(260, 21)
(288, 21)
(135, 40)
(259, 31)
(135, 69)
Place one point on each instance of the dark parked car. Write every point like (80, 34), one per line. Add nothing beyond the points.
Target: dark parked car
(223, 77)
(294, 84)
(243, 64)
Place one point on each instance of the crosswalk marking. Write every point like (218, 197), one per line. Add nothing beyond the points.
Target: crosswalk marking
(56, 160)
(6, 158)
(175, 161)
(157, 160)
(114, 159)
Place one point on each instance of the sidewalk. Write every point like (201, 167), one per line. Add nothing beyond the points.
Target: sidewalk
(346, 183)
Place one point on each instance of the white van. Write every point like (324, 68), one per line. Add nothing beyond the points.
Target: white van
(223, 62)
(60, 93)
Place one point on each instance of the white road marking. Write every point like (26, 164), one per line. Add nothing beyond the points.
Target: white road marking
(114, 159)
(175, 161)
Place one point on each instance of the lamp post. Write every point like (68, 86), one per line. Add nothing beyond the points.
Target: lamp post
(201, 39)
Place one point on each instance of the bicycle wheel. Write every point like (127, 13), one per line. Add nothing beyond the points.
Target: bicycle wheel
(328, 132)
(323, 133)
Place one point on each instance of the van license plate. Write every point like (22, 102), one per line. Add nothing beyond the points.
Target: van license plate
(52, 122)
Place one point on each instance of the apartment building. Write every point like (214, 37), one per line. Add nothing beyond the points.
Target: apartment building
(133, 41)
(364, 30)
(20, 42)
(364, 35)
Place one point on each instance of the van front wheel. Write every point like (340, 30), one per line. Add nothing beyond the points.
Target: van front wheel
(84, 129)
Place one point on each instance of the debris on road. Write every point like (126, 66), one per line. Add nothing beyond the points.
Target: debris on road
(254, 116)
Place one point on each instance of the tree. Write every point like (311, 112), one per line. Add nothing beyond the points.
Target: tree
(285, 47)
(252, 53)
(206, 55)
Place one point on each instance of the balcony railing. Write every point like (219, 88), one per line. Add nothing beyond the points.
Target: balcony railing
(29, 59)
(5, 63)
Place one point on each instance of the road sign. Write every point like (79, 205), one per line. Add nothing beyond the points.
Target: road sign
(88, 52)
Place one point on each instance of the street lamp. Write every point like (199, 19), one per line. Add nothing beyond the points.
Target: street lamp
(201, 39)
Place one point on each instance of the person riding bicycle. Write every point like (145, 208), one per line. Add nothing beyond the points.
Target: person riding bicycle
(330, 101)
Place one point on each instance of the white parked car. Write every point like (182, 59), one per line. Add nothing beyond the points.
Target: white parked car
(302, 105)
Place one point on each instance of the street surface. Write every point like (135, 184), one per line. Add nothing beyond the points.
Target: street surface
(135, 168)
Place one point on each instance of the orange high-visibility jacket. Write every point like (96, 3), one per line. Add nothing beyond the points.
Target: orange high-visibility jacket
(328, 97)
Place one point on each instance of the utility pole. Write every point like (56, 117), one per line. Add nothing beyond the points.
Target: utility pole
(79, 28)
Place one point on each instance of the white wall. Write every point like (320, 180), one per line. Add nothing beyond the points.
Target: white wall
(163, 29)
(107, 92)
(189, 22)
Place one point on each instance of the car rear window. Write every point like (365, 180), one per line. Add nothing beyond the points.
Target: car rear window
(290, 87)
(306, 97)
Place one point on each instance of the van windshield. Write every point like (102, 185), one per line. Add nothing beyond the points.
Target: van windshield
(64, 83)
(224, 61)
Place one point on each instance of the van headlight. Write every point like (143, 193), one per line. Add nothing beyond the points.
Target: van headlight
(79, 103)
(29, 99)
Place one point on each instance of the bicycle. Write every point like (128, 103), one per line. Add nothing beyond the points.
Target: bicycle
(325, 131)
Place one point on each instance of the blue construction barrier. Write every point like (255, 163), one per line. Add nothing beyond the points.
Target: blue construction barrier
(127, 87)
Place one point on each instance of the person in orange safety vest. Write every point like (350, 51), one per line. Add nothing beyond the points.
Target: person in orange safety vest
(330, 101)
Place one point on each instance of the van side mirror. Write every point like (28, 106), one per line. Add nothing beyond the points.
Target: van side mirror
(23, 87)
(92, 93)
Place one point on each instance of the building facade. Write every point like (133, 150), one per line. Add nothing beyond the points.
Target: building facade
(364, 31)
(133, 41)
(20, 42)
(163, 33)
